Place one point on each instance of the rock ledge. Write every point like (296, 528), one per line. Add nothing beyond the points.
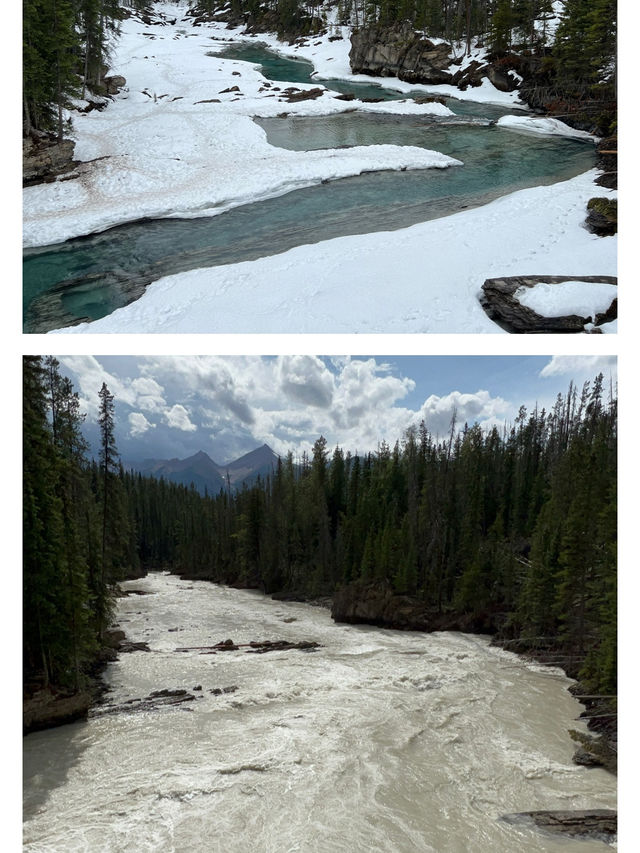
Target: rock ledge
(500, 303)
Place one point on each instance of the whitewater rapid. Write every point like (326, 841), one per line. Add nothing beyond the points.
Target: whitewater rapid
(378, 740)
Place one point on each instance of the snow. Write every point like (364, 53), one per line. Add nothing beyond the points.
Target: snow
(584, 298)
(331, 62)
(546, 126)
(163, 149)
(423, 279)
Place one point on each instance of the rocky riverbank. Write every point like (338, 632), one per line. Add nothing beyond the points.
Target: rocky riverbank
(45, 707)
(402, 52)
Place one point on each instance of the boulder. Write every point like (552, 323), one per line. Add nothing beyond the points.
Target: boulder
(114, 83)
(471, 75)
(502, 80)
(500, 303)
(602, 216)
(399, 52)
(584, 758)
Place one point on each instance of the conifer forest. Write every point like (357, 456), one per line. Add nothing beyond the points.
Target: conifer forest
(519, 521)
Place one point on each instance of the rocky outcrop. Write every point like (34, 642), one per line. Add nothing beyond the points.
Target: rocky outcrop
(153, 702)
(292, 95)
(47, 709)
(378, 604)
(44, 158)
(499, 300)
(596, 823)
(399, 51)
(602, 216)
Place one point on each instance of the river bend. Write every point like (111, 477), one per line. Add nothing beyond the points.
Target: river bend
(378, 740)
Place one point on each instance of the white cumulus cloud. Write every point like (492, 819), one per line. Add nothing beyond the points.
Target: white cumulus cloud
(587, 365)
(138, 424)
(177, 417)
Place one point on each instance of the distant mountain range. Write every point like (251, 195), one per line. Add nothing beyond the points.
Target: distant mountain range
(201, 471)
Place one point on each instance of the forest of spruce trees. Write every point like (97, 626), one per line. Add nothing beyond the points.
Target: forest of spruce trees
(66, 42)
(521, 520)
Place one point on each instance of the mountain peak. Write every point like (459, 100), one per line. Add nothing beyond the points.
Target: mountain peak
(201, 471)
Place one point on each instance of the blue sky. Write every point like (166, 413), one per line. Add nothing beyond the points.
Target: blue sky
(173, 406)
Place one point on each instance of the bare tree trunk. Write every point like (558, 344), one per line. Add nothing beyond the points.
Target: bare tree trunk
(28, 126)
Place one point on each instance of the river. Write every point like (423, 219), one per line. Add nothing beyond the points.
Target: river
(90, 277)
(378, 740)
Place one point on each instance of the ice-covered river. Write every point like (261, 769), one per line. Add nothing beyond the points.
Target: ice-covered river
(376, 741)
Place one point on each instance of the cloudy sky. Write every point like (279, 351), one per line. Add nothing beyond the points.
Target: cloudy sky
(174, 406)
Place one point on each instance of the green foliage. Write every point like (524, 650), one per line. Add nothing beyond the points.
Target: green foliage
(65, 49)
(67, 599)
(522, 522)
(585, 43)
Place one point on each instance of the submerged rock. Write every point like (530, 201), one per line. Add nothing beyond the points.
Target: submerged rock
(281, 645)
(220, 691)
(596, 823)
(155, 700)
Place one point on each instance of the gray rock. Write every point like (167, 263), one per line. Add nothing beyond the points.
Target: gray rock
(45, 159)
(399, 52)
(114, 83)
(586, 759)
(499, 301)
(503, 81)
(594, 823)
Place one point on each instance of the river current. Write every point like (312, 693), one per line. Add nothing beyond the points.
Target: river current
(377, 740)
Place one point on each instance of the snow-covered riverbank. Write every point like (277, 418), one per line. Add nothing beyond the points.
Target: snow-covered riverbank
(180, 140)
(174, 142)
(423, 279)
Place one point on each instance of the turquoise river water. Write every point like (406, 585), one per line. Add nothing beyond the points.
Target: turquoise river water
(89, 277)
